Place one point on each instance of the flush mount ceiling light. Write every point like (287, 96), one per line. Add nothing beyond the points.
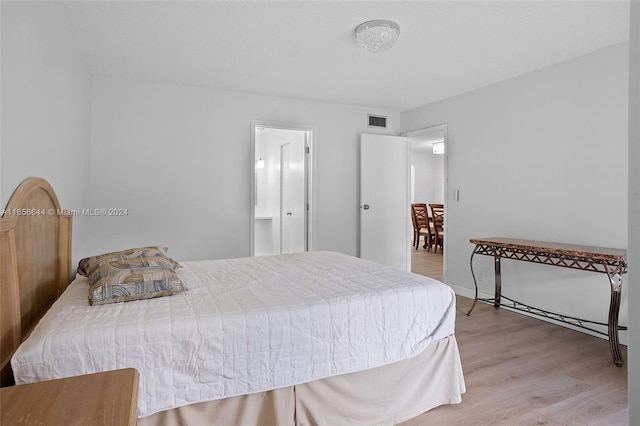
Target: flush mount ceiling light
(378, 35)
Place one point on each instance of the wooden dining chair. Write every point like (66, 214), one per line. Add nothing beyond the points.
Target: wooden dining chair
(437, 215)
(421, 225)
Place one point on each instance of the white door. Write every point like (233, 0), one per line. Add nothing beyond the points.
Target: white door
(297, 198)
(292, 197)
(285, 198)
(384, 201)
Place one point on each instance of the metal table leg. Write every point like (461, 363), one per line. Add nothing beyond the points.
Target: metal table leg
(615, 279)
(497, 298)
(498, 277)
(475, 283)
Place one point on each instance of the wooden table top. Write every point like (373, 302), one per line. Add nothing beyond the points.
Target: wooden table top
(551, 248)
(109, 398)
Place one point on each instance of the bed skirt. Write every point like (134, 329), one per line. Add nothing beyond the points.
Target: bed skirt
(384, 395)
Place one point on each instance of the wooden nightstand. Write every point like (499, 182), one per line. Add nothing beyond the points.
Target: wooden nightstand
(109, 398)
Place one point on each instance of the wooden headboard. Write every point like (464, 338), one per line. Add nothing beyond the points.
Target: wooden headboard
(35, 263)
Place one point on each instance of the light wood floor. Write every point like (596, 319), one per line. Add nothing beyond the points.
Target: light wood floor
(426, 263)
(523, 371)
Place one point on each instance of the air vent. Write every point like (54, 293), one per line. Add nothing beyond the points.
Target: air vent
(377, 121)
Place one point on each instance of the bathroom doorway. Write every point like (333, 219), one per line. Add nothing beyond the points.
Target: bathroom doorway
(281, 160)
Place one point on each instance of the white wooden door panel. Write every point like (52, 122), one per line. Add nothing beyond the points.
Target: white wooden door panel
(384, 205)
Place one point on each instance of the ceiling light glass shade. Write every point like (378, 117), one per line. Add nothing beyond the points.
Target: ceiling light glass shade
(377, 36)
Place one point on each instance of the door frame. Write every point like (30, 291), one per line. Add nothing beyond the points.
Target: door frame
(308, 177)
(421, 132)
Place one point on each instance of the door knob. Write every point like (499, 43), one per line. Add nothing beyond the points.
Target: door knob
(366, 207)
(289, 213)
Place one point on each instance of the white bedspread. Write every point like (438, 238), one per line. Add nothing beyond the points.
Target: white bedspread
(245, 325)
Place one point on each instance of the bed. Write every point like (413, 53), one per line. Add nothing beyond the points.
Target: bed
(306, 338)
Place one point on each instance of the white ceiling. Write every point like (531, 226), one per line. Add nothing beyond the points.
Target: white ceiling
(307, 49)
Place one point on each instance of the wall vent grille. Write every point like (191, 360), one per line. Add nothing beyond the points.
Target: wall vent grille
(379, 121)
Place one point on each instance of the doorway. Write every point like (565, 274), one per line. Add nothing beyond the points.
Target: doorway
(280, 188)
(427, 184)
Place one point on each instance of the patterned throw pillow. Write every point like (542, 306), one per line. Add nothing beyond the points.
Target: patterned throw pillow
(87, 265)
(125, 279)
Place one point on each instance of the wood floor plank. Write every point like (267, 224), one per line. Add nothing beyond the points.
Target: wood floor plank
(426, 263)
(523, 371)
(591, 407)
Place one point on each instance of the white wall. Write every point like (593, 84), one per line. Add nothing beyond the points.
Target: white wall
(542, 157)
(429, 177)
(45, 107)
(179, 159)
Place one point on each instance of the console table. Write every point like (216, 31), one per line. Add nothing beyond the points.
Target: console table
(612, 262)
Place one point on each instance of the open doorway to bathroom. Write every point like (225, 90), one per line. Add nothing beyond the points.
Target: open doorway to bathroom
(280, 200)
